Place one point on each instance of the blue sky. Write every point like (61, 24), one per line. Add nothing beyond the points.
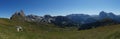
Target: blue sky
(58, 7)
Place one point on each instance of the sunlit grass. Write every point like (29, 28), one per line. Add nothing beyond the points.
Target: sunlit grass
(49, 31)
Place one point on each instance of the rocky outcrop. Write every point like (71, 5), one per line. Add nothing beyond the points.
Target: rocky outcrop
(44, 19)
(18, 16)
(33, 18)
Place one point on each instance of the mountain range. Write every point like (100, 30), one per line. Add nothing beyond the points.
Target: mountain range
(81, 21)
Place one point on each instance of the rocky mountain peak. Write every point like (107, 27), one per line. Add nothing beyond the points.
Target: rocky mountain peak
(22, 13)
(19, 15)
(102, 13)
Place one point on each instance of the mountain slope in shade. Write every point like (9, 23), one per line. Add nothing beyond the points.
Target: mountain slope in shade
(103, 22)
(81, 18)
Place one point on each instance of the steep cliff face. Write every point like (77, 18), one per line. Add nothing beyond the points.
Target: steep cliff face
(18, 16)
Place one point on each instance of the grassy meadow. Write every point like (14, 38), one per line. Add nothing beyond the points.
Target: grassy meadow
(49, 31)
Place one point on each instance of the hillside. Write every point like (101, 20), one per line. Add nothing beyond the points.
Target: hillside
(49, 31)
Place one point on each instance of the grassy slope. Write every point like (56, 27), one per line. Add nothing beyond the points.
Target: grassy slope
(48, 31)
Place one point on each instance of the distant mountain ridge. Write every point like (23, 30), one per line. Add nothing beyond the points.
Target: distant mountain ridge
(89, 19)
(77, 20)
(81, 18)
(61, 21)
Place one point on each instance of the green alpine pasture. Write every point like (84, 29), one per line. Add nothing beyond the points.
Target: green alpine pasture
(33, 30)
